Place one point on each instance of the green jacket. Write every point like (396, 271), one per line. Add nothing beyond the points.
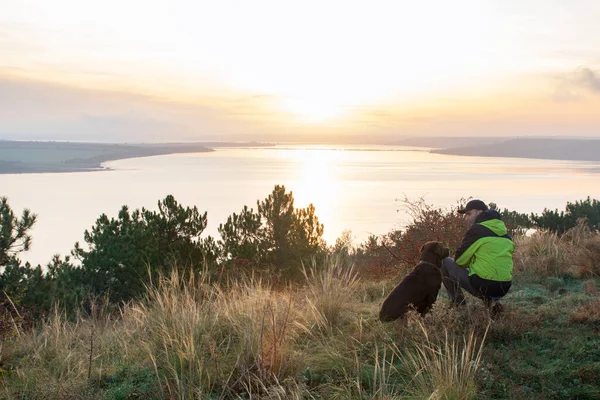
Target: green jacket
(487, 249)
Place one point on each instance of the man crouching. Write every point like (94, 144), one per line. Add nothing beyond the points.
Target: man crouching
(483, 263)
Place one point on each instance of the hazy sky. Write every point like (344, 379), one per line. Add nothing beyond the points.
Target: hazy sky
(182, 69)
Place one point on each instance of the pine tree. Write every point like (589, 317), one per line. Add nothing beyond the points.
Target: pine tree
(14, 232)
(124, 253)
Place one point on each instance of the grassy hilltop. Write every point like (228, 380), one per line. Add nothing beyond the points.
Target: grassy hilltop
(234, 329)
(192, 338)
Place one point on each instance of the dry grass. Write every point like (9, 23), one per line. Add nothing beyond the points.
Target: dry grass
(59, 356)
(589, 311)
(198, 338)
(191, 339)
(210, 341)
(413, 367)
(543, 251)
(590, 287)
(575, 254)
(445, 370)
(330, 290)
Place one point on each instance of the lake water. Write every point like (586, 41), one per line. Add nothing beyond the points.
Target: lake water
(352, 188)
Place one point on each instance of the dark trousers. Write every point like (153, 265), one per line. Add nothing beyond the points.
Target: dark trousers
(456, 278)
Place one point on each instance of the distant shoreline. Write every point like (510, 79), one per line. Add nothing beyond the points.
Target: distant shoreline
(582, 150)
(28, 157)
(18, 157)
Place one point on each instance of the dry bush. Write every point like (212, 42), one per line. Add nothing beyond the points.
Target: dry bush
(396, 253)
(427, 223)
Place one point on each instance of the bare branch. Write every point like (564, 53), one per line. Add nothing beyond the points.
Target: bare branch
(389, 251)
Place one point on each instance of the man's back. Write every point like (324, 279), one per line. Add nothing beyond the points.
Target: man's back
(487, 248)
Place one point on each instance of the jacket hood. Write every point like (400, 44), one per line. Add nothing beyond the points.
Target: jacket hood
(492, 220)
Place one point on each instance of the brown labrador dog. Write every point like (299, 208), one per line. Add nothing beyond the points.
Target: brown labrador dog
(420, 288)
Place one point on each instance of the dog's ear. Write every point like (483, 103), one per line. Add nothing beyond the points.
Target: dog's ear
(440, 250)
(445, 252)
(423, 247)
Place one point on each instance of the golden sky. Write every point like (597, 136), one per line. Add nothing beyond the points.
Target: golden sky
(179, 69)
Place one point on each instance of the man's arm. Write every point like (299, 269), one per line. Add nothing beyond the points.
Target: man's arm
(463, 253)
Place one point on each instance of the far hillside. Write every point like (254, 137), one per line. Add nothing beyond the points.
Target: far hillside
(542, 148)
(35, 157)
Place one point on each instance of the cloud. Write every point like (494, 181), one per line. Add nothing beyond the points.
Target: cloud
(110, 128)
(40, 110)
(48, 111)
(588, 79)
(37, 110)
(578, 84)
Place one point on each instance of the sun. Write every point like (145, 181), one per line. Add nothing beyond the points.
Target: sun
(313, 110)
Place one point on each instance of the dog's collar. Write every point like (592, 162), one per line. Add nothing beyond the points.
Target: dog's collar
(430, 263)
